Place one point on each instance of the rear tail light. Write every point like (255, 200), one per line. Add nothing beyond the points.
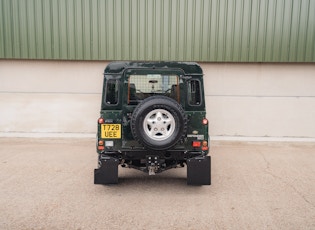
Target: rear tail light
(101, 120)
(100, 145)
(205, 121)
(196, 144)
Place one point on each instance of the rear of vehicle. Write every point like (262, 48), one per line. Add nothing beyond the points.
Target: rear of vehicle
(153, 118)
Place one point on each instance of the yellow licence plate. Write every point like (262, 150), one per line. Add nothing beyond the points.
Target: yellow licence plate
(111, 131)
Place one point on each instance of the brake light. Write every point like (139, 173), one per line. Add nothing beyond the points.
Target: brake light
(205, 121)
(100, 147)
(196, 144)
(101, 120)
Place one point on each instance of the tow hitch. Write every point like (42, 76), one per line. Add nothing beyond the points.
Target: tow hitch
(153, 164)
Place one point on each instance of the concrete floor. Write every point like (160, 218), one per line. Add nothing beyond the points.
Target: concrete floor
(48, 184)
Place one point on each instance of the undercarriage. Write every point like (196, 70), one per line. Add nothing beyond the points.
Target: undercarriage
(198, 165)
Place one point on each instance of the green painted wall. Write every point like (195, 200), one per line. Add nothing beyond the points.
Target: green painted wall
(198, 30)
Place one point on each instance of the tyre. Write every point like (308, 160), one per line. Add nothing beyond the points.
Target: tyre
(158, 123)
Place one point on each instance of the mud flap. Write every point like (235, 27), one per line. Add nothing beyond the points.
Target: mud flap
(199, 171)
(108, 172)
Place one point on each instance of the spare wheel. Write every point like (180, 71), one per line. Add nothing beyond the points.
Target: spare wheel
(158, 123)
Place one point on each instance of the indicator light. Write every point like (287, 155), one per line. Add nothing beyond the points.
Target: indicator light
(205, 146)
(100, 142)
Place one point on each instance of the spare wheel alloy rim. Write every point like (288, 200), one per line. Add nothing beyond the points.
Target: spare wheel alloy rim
(159, 124)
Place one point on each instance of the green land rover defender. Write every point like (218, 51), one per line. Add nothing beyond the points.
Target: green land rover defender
(153, 118)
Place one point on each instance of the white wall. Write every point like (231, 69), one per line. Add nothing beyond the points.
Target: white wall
(49, 97)
(261, 100)
(55, 98)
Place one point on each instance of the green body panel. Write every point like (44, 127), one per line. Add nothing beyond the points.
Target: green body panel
(116, 117)
(196, 131)
(121, 112)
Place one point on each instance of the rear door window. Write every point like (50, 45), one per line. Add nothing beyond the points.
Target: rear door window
(143, 86)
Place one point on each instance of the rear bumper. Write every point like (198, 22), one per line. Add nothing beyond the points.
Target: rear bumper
(142, 154)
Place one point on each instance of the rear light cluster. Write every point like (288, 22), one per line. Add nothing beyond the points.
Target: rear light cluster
(200, 144)
(100, 145)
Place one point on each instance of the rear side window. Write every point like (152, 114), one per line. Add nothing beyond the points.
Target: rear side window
(112, 92)
(194, 92)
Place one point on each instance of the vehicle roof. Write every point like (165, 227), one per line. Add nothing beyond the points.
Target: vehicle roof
(119, 67)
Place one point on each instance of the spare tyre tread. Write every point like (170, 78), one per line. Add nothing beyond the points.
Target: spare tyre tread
(158, 102)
